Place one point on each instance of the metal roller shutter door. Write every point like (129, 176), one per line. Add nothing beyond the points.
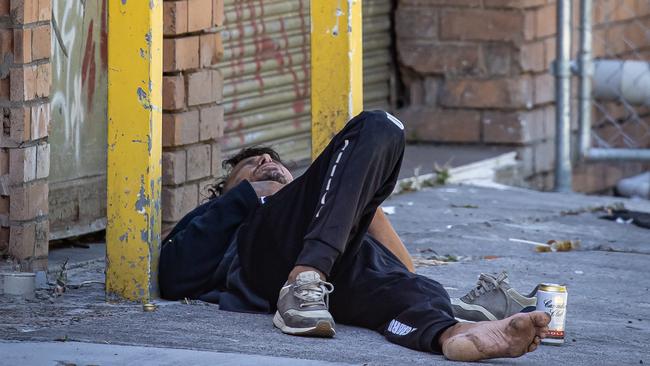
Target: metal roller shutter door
(266, 72)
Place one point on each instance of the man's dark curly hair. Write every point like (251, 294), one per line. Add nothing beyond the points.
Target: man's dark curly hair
(216, 189)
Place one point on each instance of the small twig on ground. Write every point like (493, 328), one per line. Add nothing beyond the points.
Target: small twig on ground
(463, 206)
(601, 208)
(84, 283)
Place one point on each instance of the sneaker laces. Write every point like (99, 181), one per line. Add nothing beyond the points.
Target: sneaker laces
(313, 293)
(486, 283)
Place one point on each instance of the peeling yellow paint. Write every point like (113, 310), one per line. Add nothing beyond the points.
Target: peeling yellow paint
(336, 68)
(134, 168)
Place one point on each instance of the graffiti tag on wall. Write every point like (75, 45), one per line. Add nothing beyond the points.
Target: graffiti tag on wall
(79, 89)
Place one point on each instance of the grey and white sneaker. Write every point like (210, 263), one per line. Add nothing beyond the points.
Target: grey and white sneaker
(303, 307)
(492, 299)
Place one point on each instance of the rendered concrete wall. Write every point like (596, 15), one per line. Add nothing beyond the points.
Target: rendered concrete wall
(78, 136)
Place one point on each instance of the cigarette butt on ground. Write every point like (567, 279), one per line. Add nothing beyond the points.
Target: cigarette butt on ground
(551, 245)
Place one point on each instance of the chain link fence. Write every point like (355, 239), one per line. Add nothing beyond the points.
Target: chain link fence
(611, 99)
(620, 115)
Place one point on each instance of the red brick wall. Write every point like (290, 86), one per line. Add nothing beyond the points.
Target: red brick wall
(25, 79)
(192, 94)
(459, 60)
(477, 71)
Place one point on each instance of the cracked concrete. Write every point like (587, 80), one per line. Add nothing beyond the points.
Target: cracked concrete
(608, 306)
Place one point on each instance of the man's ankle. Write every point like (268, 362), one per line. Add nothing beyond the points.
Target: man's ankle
(300, 269)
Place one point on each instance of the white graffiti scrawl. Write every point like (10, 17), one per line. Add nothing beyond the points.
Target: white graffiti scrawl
(78, 89)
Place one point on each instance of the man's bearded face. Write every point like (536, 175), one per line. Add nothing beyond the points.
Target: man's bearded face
(259, 168)
(271, 171)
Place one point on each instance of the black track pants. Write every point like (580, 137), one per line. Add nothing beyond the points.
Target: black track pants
(321, 219)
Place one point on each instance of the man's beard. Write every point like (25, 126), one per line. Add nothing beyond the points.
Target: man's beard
(274, 175)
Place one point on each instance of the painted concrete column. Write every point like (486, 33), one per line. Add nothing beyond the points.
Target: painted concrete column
(134, 148)
(336, 68)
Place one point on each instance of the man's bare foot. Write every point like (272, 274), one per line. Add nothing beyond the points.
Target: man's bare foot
(510, 337)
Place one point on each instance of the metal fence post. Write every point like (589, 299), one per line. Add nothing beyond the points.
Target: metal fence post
(586, 71)
(562, 70)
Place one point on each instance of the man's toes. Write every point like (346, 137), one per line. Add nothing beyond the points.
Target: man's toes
(540, 318)
(541, 331)
(534, 344)
(517, 323)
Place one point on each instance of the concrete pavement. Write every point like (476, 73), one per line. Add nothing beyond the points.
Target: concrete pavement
(608, 306)
(76, 353)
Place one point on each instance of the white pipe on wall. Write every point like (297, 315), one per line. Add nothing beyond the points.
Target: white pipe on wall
(621, 79)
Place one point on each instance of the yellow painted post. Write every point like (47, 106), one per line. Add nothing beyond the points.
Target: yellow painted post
(134, 148)
(336, 68)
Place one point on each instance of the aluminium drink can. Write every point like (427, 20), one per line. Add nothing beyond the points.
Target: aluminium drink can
(552, 299)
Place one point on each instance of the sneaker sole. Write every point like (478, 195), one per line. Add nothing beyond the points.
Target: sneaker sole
(323, 328)
(461, 320)
(481, 313)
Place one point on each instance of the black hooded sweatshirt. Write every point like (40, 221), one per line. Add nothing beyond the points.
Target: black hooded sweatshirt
(209, 269)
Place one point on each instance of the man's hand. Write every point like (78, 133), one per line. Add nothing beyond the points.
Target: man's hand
(266, 187)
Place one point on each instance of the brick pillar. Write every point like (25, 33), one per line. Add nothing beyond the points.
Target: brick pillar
(24, 149)
(192, 111)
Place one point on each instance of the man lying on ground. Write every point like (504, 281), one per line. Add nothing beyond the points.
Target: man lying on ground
(269, 243)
